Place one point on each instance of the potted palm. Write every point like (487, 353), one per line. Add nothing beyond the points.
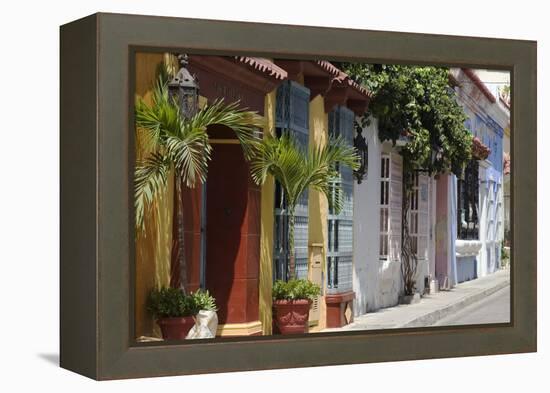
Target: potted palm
(296, 170)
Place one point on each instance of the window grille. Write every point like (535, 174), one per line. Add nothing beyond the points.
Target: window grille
(291, 115)
(391, 206)
(468, 202)
(340, 224)
(385, 207)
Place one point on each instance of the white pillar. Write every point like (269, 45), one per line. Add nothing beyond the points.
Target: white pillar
(366, 224)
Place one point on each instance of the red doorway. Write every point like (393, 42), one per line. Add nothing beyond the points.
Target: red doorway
(232, 231)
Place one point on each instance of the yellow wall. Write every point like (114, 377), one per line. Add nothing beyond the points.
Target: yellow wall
(318, 204)
(154, 242)
(267, 227)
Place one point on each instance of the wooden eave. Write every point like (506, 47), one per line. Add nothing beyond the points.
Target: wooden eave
(250, 75)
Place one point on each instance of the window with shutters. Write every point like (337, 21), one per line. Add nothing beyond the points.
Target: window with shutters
(385, 207)
(291, 115)
(490, 213)
(467, 203)
(413, 214)
(499, 212)
(396, 205)
(494, 208)
(340, 224)
(391, 201)
(418, 215)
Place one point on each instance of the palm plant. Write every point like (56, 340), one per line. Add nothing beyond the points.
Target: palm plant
(297, 169)
(181, 145)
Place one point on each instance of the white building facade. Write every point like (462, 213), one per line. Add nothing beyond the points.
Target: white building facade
(456, 224)
(377, 227)
(480, 194)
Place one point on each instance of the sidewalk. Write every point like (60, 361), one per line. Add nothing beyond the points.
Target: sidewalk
(431, 308)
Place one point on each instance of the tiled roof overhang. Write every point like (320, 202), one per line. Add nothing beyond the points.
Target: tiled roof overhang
(480, 151)
(341, 76)
(479, 84)
(243, 79)
(506, 164)
(322, 77)
(505, 102)
(254, 72)
(264, 65)
(263, 75)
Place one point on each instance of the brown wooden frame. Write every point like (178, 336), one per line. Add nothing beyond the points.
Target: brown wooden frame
(97, 203)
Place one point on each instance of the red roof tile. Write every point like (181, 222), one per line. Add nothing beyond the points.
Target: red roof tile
(480, 85)
(264, 65)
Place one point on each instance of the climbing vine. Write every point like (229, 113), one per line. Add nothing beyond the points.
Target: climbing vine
(417, 105)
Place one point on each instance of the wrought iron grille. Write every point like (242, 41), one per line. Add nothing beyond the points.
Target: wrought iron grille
(468, 203)
(291, 115)
(340, 224)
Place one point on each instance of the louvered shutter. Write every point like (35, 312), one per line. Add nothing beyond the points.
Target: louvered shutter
(396, 201)
(340, 226)
(423, 216)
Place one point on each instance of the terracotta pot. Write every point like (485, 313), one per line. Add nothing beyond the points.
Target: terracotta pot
(291, 316)
(175, 328)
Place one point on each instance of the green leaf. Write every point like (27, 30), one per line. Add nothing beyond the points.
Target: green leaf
(183, 144)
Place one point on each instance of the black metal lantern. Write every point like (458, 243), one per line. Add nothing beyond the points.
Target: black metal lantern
(435, 154)
(362, 148)
(184, 89)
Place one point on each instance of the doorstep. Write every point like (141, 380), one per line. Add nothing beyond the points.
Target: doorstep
(253, 328)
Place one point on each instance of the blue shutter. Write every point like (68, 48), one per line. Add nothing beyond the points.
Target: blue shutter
(292, 115)
(340, 226)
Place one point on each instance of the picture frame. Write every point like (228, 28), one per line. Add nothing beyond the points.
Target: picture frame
(96, 253)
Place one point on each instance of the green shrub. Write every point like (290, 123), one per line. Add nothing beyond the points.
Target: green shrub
(204, 301)
(295, 289)
(170, 303)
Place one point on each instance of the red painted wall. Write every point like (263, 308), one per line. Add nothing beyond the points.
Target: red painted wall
(191, 199)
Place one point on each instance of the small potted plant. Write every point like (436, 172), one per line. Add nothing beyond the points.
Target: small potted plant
(291, 302)
(174, 311)
(206, 319)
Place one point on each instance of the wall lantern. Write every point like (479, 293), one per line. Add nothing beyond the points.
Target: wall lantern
(184, 89)
(436, 152)
(362, 147)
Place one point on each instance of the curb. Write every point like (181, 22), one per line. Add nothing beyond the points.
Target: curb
(435, 316)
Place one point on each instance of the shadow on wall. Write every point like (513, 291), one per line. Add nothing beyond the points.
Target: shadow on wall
(390, 280)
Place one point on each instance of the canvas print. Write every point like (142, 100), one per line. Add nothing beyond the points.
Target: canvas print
(276, 196)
